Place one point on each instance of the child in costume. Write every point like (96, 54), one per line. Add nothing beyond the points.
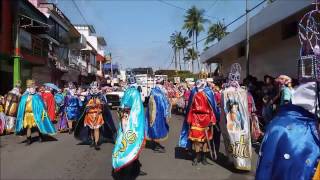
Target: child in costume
(32, 114)
(72, 108)
(97, 123)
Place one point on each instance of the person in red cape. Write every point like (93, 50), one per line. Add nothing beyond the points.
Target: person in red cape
(50, 103)
(200, 118)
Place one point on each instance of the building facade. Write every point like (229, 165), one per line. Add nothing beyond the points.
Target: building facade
(274, 42)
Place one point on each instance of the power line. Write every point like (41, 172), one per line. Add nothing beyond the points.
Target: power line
(77, 7)
(213, 4)
(181, 8)
(225, 27)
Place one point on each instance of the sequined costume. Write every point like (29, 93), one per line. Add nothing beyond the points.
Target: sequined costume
(93, 117)
(157, 115)
(131, 137)
(199, 118)
(290, 148)
(72, 107)
(10, 109)
(96, 115)
(31, 113)
(28, 120)
(50, 103)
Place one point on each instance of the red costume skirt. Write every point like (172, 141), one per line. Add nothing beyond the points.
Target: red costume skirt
(94, 120)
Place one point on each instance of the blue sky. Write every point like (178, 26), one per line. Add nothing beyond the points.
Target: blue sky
(137, 32)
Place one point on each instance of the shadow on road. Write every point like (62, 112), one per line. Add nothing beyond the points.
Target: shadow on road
(45, 138)
(182, 153)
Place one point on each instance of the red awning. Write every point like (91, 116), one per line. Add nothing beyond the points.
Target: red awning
(100, 58)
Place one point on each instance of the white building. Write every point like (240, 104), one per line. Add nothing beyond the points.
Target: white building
(98, 43)
(274, 43)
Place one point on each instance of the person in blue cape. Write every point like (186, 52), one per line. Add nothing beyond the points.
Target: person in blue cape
(290, 149)
(131, 135)
(96, 123)
(196, 136)
(32, 114)
(157, 116)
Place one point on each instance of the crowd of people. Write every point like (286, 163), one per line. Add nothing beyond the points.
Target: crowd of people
(232, 110)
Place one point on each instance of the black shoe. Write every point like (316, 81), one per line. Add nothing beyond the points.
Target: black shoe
(204, 161)
(40, 138)
(29, 140)
(159, 150)
(70, 131)
(141, 173)
(96, 147)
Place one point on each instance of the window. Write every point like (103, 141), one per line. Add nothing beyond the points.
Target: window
(289, 30)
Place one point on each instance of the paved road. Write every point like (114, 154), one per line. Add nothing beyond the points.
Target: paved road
(63, 158)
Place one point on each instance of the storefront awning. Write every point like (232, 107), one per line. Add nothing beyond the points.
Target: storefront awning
(100, 58)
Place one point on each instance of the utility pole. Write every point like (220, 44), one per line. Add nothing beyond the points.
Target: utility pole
(111, 67)
(247, 41)
(16, 56)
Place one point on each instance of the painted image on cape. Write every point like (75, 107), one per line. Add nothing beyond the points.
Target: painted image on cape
(235, 121)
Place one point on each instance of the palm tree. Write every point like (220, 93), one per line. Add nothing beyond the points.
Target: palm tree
(216, 32)
(181, 42)
(193, 23)
(192, 55)
(173, 43)
(184, 44)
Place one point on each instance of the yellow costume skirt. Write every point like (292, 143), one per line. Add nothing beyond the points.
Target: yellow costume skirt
(28, 121)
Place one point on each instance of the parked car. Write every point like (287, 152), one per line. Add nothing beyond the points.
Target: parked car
(114, 97)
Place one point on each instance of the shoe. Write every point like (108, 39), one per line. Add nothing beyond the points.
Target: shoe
(194, 162)
(204, 160)
(70, 131)
(40, 138)
(96, 147)
(159, 150)
(196, 159)
(29, 140)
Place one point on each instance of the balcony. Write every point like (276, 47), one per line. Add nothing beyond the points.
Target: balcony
(78, 43)
(75, 61)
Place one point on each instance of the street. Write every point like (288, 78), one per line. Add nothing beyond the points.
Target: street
(62, 157)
